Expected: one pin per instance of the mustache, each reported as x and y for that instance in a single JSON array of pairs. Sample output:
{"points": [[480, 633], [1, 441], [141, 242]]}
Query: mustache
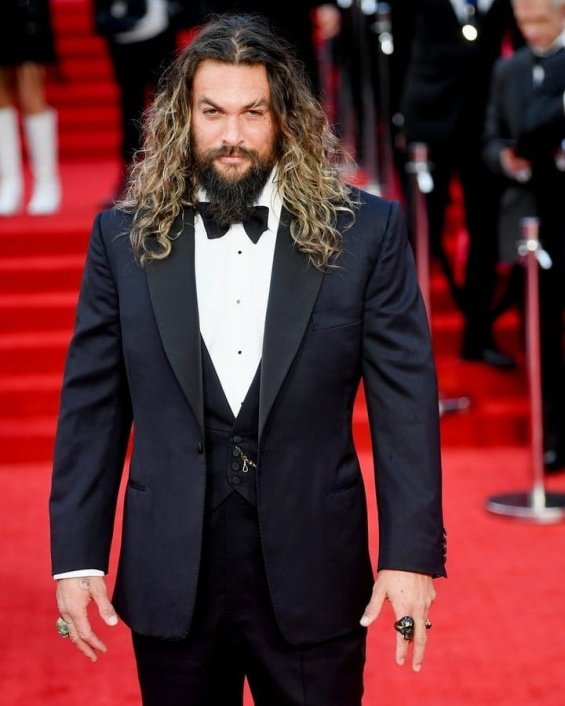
{"points": [[230, 151]]}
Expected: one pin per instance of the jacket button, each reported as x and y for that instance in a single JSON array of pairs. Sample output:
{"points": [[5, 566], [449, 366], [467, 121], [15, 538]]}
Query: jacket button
{"points": [[200, 447]]}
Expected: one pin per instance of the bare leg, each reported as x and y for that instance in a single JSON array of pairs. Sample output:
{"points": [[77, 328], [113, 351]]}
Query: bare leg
{"points": [[11, 180]]}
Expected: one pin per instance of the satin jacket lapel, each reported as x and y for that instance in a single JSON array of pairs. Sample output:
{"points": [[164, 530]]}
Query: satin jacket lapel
{"points": [[294, 288], [172, 286]]}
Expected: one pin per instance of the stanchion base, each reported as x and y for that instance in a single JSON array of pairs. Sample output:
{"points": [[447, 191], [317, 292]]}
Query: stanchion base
{"points": [[449, 405], [549, 508]]}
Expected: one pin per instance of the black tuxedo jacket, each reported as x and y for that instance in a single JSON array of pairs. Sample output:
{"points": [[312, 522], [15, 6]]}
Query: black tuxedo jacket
{"points": [[135, 356], [511, 92], [448, 77], [510, 95], [543, 126]]}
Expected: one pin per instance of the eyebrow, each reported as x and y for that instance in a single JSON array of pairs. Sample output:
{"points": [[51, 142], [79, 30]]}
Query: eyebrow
{"points": [[258, 103]]}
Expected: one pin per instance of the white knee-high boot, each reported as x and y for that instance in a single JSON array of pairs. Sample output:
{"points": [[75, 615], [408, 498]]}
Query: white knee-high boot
{"points": [[41, 138], [11, 178]]}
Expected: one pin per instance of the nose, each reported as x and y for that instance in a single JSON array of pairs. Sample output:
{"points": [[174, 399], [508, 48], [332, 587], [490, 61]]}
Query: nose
{"points": [[233, 134]]}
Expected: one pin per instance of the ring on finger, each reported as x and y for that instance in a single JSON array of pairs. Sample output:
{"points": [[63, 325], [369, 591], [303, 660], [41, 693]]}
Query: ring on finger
{"points": [[62, 627]]}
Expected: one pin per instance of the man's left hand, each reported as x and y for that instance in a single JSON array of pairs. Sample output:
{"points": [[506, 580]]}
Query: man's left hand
{"points": [[410, 594]]}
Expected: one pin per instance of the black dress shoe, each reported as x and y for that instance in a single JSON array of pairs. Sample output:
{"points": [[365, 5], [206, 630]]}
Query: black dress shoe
{"points": [[490, 356]]}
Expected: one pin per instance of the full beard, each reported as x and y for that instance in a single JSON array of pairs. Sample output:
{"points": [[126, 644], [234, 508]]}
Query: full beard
{"points": [[231, 196]]}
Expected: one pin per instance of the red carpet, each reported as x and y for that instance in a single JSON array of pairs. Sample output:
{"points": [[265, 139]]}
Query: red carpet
{"points": [[497, 638]]}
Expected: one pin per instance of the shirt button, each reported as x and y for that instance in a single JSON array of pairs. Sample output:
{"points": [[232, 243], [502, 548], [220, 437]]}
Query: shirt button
{"points": [[236, 480], [235, 466]]}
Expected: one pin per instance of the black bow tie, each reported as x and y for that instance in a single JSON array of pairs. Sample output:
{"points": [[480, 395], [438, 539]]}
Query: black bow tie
{"points": [[255, 223]]}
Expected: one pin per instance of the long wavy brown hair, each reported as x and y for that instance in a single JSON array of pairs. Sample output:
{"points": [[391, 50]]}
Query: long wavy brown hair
{"points": [[162, 179]]}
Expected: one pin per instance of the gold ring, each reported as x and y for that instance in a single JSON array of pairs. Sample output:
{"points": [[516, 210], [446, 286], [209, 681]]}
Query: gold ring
{"points": [[62, 627]]}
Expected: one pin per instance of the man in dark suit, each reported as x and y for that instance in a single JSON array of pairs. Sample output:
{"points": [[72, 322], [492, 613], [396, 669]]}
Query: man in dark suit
{"points": [[538, 137], [454, 46], [237, 356]]}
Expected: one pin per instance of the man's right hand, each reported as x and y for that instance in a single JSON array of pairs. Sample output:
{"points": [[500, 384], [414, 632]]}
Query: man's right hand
{"points": [[73, 597]]}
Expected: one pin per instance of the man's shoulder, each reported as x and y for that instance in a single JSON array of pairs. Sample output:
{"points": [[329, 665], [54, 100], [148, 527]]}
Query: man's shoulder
{"points": [[371, 209], [114, 219], [515, 62]]}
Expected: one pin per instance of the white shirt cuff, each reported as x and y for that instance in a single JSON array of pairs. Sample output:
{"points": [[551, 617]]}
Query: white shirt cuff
{"points": [[81, 573]]}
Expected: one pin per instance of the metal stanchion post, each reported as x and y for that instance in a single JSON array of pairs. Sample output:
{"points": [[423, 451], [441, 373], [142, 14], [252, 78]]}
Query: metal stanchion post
{"points": [[536, 504], [422, 183], [383, 29], [367, 8]]}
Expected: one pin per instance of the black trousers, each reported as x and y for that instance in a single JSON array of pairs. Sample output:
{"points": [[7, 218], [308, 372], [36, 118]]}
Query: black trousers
{"points": [[481, 197], [137, 68], [234, 635]]}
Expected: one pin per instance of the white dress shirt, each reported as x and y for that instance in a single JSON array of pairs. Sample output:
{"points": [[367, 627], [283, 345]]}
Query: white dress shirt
{"points": [[233, 277]]}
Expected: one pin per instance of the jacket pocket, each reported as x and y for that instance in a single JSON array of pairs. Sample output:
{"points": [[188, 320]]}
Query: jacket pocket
{"points": [[345, 486], [136, 485]]}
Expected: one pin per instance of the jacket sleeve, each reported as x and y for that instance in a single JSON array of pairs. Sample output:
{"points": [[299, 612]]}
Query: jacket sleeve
{"points": [[496, 135], [94, 424], [401, 393]]}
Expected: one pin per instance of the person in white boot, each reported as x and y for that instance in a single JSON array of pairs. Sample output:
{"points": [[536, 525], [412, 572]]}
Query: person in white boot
{"points": [[26, 47]]}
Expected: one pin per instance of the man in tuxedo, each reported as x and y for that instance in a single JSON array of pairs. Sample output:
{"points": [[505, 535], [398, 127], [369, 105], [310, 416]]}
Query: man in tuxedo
{"points": [[454, 45], [229, 308], [534, 82]]}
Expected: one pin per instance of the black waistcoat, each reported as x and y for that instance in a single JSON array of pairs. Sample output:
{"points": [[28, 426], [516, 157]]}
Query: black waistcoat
{"points": [[228, 436]]}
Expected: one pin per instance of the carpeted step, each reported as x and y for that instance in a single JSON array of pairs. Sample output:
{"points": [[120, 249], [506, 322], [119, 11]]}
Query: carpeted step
{"points": [[29, 442], [101, 145], [56, 236], [37, 311], [27, 274], [34, 353], [29, 396], [77, 95], [88, 118]]}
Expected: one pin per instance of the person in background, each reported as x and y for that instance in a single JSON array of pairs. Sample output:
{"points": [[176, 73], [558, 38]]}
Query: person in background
{"points": [[454, 46], [26, 48], [230, 306], [141, 37], [533, 83]]}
